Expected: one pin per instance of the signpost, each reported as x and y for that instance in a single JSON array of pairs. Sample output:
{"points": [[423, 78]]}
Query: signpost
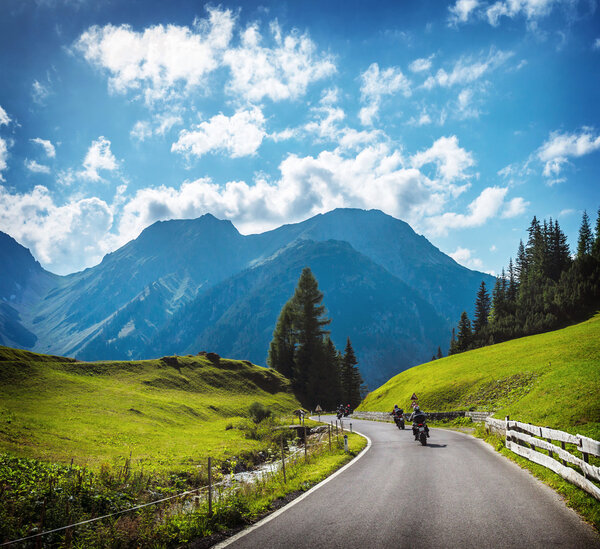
{"points": [[415, 400], [318, 409]]}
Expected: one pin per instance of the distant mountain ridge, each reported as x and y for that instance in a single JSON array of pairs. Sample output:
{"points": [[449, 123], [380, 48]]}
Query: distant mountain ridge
{"points": [[188, 285]]}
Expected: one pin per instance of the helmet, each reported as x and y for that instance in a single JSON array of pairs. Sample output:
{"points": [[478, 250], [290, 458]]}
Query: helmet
{"points": [[395, 406], [417, 409]]}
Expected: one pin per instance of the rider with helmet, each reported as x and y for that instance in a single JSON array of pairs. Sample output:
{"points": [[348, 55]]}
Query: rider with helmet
{"points": [[418, 416]]}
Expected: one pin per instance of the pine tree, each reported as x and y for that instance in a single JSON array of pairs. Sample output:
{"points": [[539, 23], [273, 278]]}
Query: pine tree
{"points": [[465, 334], [330, 390], [352, 378], [511, 290], [283, 346], [521, 264], [439, 353], [596, 244], [453, 346], [482, 309], [309, 322], [584, 243]]}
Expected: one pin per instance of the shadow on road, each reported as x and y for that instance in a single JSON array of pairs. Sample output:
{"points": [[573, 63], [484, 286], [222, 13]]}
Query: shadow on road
{"points": [[429, 445]]}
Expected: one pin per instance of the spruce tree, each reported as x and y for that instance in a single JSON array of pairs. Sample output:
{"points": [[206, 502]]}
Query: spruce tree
{"points": [[482, 309], [465, 334], [596, 244], [439, 353], [584, 242], [283, 345], [352, 380], [309, 322]]}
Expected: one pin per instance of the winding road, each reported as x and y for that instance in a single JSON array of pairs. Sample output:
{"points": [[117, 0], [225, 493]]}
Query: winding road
{"points": [[455, 492]]}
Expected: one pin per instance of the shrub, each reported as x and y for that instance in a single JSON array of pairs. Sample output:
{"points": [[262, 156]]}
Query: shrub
{"points": [[258, 412]]}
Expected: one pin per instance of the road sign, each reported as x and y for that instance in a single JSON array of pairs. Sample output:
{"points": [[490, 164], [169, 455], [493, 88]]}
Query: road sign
{"points": [[318, 408], [414, 404], [414, 397]]}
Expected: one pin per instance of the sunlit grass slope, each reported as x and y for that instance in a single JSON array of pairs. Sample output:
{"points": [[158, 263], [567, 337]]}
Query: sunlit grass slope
{"points": [[551, 379], [166, 412]]}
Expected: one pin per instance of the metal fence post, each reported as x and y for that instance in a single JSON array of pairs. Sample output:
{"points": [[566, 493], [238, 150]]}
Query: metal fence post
{"points": [[283, 461]]}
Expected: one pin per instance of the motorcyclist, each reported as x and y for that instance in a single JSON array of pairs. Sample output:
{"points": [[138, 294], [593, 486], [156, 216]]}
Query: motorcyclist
{"points": [[397, 412], [348, 410], [418, 416]]}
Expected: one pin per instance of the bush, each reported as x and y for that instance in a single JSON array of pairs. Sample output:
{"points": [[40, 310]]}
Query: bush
{"points": [[258, 412]]}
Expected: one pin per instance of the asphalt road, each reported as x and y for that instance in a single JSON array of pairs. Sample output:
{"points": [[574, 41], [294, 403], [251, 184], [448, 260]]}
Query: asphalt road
{"points": [[455, 492]]}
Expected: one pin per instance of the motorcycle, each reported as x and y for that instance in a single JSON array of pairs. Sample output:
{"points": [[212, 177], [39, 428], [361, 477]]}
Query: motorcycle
{"points": [[399, 419], [421, 433], [347, 412], [340, 413]]}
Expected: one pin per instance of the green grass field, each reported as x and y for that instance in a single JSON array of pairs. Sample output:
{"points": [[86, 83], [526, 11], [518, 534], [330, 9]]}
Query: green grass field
{"points": [[167, 413], [551, 379]]}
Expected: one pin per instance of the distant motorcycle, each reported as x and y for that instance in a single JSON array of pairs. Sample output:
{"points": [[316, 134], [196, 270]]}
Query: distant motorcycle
{"points": [[419, 427], [420, 433], [347, 411], [340, 413], [398, 418]]}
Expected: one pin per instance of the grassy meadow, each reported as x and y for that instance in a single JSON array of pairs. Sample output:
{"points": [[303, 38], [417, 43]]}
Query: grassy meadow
{"points": [[164, 413], [550, 379]]}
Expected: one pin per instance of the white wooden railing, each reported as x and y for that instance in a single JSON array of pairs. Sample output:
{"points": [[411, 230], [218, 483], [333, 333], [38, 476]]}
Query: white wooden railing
{"points": [[521, 438]]}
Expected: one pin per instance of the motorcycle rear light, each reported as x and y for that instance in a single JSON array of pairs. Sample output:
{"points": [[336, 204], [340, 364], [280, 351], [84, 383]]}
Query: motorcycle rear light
{"points": [[420, 425]]}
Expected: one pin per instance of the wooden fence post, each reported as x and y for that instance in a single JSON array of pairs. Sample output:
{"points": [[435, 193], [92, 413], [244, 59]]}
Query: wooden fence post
{"points": [[550, 453], [305, 446], [330, 438], [562, 445], [209, 486], [283, 460]]}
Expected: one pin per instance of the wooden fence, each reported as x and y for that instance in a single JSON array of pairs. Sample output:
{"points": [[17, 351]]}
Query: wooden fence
{"points": [[527, 440]]}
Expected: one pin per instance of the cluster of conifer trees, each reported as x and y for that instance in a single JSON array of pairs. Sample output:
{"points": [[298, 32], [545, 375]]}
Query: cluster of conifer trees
{"points": [[302, 351], [546, 288]]}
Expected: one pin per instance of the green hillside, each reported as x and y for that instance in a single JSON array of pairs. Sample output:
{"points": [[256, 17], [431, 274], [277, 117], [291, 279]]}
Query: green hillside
{"points": [[551, 379], [166, 412]]}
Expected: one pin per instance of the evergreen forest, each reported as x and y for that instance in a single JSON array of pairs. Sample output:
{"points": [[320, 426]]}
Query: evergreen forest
{"points": [[547, 287], [302, 351]]}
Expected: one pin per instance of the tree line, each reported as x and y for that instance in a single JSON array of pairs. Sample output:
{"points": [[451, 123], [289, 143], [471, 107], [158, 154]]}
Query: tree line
{"points": [[303, 351], [547, 287]]}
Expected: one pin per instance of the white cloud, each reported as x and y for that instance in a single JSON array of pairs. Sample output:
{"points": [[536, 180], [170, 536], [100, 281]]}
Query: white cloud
{"points": [[461, 11], [35, 167], [421, 65], [375, 84], [141, 130], [4, 118], [450, 159], [47, 145], [3, 157], [467, 70], [517, 206], [64, 238], [283, 71], [464, 256], [484, 207], [98, 157], [238, 135], [531, 9], [493, 248], [160, 60], [596, 45], [160, 125], [556, 151], [39, 92]]}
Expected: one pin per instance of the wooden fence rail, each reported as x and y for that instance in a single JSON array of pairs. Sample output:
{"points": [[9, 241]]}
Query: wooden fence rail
{"points": [[521, 438]]}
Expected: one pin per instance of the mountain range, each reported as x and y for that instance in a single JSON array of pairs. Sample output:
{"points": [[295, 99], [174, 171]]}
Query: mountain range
{"points": [[184, 286]]}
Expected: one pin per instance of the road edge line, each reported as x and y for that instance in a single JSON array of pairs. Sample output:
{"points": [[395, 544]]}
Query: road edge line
{"points": [[275, 514]]}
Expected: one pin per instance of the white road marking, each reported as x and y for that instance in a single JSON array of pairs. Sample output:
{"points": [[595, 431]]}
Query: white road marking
{"points": [[275, 514]]}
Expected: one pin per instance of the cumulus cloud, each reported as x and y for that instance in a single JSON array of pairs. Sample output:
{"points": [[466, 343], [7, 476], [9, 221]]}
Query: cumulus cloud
{"points": [[377, 83], [515, 207], [3, 157], [238, 135], [465, 257], [468, 69], [160, 60], [47, 145], [4, 118], [484, 207], [421, 65], [282, 71], [596, 45], [559, 147], [461, 11], [531, 9], [161, 124], [450, 159], [64, 238], [98, 157], [36, 167]]}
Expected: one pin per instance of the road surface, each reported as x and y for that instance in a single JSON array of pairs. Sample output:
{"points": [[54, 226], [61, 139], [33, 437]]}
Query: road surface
{"points": [[455, 492]]}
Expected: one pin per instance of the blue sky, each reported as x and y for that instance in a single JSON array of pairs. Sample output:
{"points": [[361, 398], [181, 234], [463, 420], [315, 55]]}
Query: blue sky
{"points": [[464, 119]]}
